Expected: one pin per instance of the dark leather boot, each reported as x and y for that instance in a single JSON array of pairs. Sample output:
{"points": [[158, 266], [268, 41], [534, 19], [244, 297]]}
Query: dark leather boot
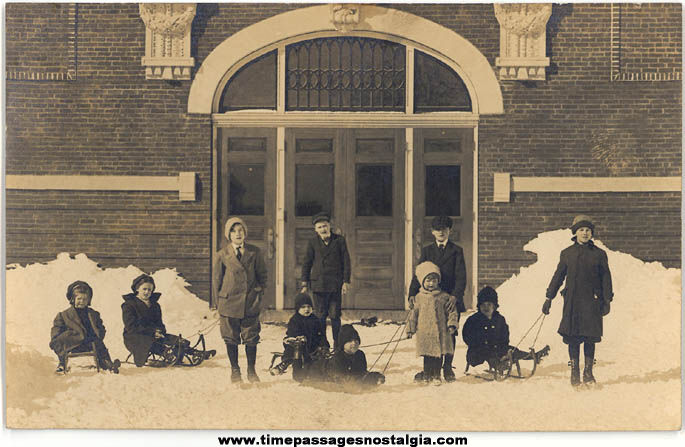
{"points": [[232, 351], [575, 372], [251, 354], [588, 378], [447, 371]]}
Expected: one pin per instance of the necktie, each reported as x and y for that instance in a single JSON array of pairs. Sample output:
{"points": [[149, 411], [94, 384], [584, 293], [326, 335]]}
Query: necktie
{"points": [[239, 254]]}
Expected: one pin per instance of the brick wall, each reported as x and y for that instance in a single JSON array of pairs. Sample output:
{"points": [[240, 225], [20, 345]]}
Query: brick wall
{"points": [[110, 120]]}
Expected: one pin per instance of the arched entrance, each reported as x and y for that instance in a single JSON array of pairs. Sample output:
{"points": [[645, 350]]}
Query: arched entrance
{"points": [[377, 124]]}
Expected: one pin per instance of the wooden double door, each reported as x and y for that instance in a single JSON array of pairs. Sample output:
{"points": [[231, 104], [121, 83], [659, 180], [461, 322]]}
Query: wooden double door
{"points": [[356, 175]]}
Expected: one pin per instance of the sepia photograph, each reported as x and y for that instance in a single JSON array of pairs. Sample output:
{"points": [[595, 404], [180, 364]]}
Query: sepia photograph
{"points": [[429, 219]]}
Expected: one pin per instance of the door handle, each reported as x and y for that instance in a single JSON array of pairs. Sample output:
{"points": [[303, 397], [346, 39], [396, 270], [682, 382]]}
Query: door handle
{"points": [[270, 249], [417, 238]]}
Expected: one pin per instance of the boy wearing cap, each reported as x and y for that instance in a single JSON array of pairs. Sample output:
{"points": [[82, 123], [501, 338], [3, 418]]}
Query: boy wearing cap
{"points": [[449, 257], [326, 272], [74, 329], [587, 296], [238, 282]]}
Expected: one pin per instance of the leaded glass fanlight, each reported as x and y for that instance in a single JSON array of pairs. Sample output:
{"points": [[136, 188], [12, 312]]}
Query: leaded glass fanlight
{"points": [[346, 73]]}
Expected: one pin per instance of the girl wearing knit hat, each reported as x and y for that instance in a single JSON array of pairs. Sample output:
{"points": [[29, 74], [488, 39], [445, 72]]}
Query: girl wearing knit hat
{"points": [[587, 296], [433, 319]]}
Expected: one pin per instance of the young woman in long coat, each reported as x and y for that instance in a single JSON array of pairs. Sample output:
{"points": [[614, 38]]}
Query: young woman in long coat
{"points": [[587, 296]]}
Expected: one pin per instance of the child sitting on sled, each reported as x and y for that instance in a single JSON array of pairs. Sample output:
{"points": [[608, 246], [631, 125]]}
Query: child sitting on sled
{"points": [[144, 331], [433, 319], [78, 327], [304, 339], [486, 334], [348, 365]]}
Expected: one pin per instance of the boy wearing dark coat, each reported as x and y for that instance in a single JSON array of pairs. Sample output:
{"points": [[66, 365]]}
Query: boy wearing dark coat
{"points": [[238, 281], [486, 333], [348, 364], [304, 335], [144, 331], [587, 296], [76, 328], [434, 320], [326, 271], [449, 257]]}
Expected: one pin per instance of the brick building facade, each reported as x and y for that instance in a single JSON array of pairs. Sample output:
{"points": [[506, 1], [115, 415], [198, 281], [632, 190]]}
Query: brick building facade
{"points": [[78, 103]]}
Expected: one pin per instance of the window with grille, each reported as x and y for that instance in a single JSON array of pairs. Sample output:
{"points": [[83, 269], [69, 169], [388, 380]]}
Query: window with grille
{"points": [[345, 74]]}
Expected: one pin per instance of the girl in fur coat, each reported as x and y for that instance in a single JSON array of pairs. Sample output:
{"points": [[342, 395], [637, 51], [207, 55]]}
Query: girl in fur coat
{"points": [[433, 319]]}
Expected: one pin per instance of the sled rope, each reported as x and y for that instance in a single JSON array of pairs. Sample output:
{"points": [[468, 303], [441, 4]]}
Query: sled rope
{"points": [[542, 315], [385, 342], [404, 326], [388, 344], [207, 329]]}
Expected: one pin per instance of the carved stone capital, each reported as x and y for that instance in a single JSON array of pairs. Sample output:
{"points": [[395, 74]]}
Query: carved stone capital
{"points": [[167, 40], [523, 32], [345, 17]]}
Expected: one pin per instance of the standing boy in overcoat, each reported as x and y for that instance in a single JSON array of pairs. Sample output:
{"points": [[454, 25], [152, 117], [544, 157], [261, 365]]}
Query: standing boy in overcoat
{"points": [[326, 271], [238, 282], [449, 257], [587, 296]]}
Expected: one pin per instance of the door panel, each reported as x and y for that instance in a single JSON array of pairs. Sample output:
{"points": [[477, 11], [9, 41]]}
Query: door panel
{"points": [[358, 176], [246, 189], [443, 184]]}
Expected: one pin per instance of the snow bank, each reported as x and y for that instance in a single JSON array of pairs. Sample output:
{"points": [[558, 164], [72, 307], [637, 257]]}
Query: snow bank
{"points": [[37, 292], [643, 325]]}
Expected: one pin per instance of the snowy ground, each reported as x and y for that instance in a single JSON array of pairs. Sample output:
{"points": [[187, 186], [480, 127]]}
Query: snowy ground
{"points": [[639, 363]]}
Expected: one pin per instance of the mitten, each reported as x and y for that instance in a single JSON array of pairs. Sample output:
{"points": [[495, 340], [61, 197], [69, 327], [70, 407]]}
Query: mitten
{"points": [[546, 306]]}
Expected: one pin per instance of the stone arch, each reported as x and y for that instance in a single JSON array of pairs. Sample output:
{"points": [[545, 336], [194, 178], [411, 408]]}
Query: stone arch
{"points": [[459, 53]]}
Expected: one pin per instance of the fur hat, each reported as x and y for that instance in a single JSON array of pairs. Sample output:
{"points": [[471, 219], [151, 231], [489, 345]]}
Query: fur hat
{"points": [[301, 299], [229, 224], [424, 269], [582, 220], [487, 294], [140, 280], [348, 333], [79, 286], [440, 222], [321, 217]]}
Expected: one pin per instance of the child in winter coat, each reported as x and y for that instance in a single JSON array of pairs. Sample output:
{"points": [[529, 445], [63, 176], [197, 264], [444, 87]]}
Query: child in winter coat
{"points": [[449, 257], [144, 331], [587, 297], [238, 283], [76, 328], [486, 334], [303, 341], [433, 319], [348, 364]]}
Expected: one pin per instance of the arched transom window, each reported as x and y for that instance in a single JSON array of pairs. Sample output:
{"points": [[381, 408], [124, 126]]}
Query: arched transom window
{"points": [[347, 74]]}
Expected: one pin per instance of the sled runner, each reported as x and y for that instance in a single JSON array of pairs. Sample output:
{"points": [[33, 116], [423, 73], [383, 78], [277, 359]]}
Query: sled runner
{"points": [[179, 353], [503, 370], [297, 343]]}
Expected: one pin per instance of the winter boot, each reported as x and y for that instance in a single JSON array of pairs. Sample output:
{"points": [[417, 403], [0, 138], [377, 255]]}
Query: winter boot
{"points": [[251, 354], [232, 351], [436, 363], [575, 372], [420, 377], [588, 378], [447, 372]]}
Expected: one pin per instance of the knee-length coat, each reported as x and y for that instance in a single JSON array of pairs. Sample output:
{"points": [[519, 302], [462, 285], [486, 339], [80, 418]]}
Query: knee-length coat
{"points": [[430, 318], [588, 284], [140, 324], [68, 332]]}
